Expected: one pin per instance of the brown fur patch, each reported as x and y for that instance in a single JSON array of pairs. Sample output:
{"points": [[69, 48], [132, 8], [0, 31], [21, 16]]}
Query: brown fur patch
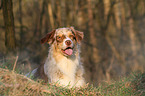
{"points": [[40, 73], [59, 74]]}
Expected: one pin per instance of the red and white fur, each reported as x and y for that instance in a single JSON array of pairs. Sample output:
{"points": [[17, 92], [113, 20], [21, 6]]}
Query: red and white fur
{"points": [[63, 63]]}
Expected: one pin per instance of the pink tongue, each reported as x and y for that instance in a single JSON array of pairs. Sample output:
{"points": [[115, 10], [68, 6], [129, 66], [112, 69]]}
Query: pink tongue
{"points": [[68, 51]]}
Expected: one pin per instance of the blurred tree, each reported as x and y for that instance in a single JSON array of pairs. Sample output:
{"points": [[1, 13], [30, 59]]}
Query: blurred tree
{"points": [[95, 58], [42, 16], [58, 13], [9, 24], [50, 14], [63, 13], [21, 24], [0, 4]]}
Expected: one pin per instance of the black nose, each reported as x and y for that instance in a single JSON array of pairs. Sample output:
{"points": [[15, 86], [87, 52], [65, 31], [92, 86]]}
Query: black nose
{"points": [[68, 42]]}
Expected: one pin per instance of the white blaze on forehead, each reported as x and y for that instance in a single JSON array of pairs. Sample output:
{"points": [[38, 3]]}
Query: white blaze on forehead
{"points": [[63, 31]]}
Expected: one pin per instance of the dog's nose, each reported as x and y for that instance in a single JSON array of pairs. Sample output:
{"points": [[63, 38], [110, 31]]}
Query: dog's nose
{"points": [[68, 42]]}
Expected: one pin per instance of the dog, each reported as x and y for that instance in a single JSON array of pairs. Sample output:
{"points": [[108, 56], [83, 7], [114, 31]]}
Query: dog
{"points": [[63, 65]]}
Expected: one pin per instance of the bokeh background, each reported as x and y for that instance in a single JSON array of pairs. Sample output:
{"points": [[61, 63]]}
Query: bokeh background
{"points": [[114, 42]]}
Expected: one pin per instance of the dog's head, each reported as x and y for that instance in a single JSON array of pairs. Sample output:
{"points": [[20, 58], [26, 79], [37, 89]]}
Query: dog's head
{"points": [[64, 39]]}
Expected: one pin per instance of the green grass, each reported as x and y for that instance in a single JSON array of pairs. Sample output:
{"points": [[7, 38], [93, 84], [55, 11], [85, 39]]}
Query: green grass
{"points": [[13, 84]]}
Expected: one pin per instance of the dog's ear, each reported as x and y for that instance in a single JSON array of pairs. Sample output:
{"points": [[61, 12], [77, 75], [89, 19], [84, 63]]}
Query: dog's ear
{"points": [[79, 35], [49, 38]]}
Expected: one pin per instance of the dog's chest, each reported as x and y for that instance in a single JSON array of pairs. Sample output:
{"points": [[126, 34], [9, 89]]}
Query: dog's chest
{"points": [[68, 67]]}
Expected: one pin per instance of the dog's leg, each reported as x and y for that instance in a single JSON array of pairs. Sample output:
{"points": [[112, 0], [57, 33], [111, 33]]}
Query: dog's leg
{"points": [[31, 74], [80, 81]]}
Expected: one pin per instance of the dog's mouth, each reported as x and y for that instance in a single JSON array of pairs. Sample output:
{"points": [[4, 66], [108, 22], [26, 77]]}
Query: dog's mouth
{"points": [[68, 51]]}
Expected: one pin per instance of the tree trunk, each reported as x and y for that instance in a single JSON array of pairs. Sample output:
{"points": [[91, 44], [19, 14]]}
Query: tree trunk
{"points": [[117, 13], [50, 14], [63, 13], [58, 12], [0, 4], [42, 16], [94, 57], [21, 24], [106, 8], [9, 24], [123, 21], [135, 46]]}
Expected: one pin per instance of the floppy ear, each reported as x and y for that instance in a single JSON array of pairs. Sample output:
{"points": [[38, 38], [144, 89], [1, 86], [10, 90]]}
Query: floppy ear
{"points": [[79, 35], [49, 38]]}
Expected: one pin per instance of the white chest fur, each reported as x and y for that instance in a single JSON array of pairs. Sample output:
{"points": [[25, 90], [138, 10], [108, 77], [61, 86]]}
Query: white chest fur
{"points": [[67, 66]]}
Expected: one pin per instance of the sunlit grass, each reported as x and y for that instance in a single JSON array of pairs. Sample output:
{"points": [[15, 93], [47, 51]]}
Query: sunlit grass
{"points": [[12, 84]]}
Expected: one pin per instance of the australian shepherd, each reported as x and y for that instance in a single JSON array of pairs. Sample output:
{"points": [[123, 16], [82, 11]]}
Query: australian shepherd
{"points": [[63, 64]]}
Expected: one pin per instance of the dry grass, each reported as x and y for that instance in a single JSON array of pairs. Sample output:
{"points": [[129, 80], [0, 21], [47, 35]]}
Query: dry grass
{"points": [[13, 84]]}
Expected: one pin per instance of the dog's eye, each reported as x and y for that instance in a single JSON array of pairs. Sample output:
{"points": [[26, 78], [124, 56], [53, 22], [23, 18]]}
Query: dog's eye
{"points": [[58, 37], [72, 36]]}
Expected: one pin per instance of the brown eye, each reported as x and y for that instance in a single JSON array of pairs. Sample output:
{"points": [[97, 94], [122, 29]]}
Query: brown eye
{"points": [[72, 36], [58, 38]]}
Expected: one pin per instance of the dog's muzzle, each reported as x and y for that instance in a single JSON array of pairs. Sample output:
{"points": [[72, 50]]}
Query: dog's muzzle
{"points": [[69, 47]]}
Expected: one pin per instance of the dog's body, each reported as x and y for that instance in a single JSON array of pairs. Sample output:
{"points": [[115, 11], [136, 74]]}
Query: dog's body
{"points": [[63, 64]]}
